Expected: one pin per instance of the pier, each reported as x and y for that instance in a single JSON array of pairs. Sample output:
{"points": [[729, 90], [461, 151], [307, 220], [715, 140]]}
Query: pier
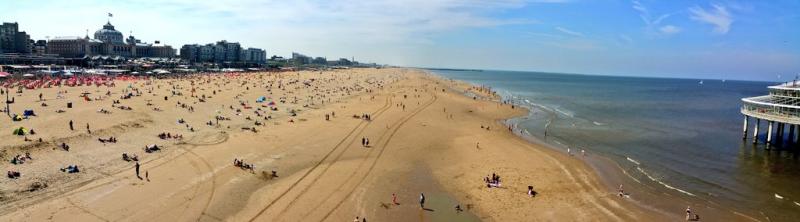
{"points": [[780, 109]]}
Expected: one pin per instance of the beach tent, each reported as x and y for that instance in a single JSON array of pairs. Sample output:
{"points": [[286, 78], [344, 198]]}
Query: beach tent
{"points": [[21, 131], [261, 99]]}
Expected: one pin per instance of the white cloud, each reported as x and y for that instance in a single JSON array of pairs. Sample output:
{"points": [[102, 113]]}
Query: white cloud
{"points": [[569, 32], [652, 23], [669, 30], [332, 28], [626, 39], [718, 16]]}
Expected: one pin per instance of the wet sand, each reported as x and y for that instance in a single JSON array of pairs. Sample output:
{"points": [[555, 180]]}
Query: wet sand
{"points": [[425, 137]]}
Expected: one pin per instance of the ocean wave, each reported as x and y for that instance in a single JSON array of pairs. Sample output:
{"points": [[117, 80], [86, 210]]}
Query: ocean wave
{"points": [[632, 160], [662, 183], [566, 113]]}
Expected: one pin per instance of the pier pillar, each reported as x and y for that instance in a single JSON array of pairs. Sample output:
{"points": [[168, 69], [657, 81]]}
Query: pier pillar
{"points": [[769, 132], [791, 133], [744, 128], [779, 134], [755, 130]]}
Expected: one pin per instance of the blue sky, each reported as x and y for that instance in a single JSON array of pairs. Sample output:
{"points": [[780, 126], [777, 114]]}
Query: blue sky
{"points": [[755, 40]]}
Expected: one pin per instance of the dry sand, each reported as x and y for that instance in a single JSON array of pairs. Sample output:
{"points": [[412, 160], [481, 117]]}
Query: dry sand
{"points": [[425, 137]]}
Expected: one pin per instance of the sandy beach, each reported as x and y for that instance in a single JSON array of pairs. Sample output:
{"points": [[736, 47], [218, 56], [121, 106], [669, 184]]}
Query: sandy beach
{"points": [[425, 136]]}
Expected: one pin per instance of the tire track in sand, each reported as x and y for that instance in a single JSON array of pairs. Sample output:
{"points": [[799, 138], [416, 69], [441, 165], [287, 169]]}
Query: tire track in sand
{"points": [[325, 170], [385, 107], [377, 158], [363, 161]]}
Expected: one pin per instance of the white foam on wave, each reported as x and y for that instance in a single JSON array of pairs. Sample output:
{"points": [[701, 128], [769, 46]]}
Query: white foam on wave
{"points": [[632, 160], [566, 113], [598, 123], [662, 183], [778, 196]]}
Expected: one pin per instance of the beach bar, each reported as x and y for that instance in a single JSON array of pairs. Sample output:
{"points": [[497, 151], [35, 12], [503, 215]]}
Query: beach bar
{"points": [[780, 110]]}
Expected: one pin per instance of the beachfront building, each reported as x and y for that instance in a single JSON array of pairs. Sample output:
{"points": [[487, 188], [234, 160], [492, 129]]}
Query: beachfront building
{"points": [[780, 109], [253, 55], [300, 59], [107, 41], [224, 53], [14, 41]]}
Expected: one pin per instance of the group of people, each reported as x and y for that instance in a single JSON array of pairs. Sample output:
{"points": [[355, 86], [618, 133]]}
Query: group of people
{"points": [[164, 136], [129, 158], [241, 164], [71, 169], [65, 147], [109, 140], [13, 174], [364, 116], [20, 159], [493, 182], [364, 142], [151, 148]]}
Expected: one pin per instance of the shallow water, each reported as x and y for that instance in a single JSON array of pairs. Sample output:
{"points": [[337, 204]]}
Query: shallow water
{"points": [[675, 134]]}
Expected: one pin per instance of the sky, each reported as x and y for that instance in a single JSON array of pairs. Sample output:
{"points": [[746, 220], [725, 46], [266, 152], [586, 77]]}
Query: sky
{"points": [[750, 40]]}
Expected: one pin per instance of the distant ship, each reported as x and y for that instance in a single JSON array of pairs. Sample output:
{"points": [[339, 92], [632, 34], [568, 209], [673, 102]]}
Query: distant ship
{"points": [[701, 82]]}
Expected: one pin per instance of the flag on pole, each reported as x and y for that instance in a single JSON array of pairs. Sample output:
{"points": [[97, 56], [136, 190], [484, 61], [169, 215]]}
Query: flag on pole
{"points": [[110, 15]]}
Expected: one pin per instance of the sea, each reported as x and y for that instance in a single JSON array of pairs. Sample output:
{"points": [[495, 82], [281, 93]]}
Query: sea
{"points": [[682, 137]]}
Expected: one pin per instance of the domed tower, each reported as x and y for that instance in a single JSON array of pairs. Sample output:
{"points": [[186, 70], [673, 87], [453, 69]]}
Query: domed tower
{"points": [[108, 34]]}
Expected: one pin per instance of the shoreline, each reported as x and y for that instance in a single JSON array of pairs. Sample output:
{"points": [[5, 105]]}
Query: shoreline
{"points": [[612, 174], [424, 141]]}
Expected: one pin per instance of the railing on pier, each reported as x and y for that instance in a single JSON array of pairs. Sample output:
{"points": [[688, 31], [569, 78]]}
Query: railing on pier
{"points": [[772, 108]]}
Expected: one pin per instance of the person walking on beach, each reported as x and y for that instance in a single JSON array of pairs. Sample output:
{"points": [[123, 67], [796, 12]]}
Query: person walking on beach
{"points": [[363, 141], [688, 213], [88, 129], [137, 170], [422, 200], [70, 126], [394, 199]]}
